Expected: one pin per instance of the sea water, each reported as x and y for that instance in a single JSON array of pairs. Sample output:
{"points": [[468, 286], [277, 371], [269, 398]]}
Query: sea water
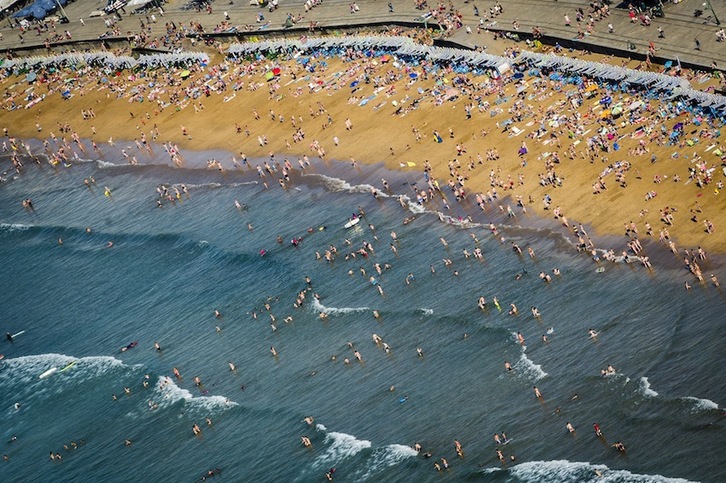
{"points": [[170, 268]]}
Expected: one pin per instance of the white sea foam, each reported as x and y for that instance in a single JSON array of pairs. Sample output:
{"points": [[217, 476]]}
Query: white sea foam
{"points": [[700, 404], [529, 369], [23, 374], [337, 185], [563, 471], [106, 164], [26, 369], [11, 227], [644, 386], [415, 208], [342, 446], [167, 393], [318, 307], [213, 185], [383, 458]]}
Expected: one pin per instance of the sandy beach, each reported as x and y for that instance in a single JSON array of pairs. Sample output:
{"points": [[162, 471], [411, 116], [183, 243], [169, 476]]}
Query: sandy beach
{"points": [[490, 152], [227, 308]]}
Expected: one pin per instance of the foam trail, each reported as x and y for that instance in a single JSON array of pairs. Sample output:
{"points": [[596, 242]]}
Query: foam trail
{"points": [[528, 368], [337, 185], [167, 393], [342, 446], [213, 185], [106, 164], [318, 307]]}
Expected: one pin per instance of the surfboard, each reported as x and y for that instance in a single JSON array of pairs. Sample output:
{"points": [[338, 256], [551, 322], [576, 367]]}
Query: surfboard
{"points": [[600, 269], [48, 373], [352, 222], [19, 333], [68, 366]]}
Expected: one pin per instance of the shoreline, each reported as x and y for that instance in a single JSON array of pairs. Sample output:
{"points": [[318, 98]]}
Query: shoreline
{"points": [[465, 215]]}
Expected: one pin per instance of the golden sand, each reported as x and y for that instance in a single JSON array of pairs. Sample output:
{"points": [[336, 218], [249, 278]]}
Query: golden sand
{"points": [[378, 134]]}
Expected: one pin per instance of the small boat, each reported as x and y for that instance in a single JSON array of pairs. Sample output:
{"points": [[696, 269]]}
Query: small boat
{"points": [[352, 222], [48, 373]]}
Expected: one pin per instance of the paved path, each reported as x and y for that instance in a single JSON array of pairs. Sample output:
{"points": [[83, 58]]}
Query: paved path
{"points": [[680, 27]]}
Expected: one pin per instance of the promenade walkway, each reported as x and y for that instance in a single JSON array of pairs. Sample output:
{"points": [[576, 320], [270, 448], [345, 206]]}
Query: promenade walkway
{"points": [[680, 27]]}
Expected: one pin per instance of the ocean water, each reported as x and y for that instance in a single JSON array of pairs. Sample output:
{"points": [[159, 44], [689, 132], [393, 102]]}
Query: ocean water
{"points": [[169, 269]]}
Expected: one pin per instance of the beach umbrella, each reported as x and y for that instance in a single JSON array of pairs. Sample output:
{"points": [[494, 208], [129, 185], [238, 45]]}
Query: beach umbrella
{"points": [[30, 77], [385, 58], [269, 76], [276, 71], [518, 75], [618, 109], [354, 83], [678, 126], [413, 75], [185, 73]]}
